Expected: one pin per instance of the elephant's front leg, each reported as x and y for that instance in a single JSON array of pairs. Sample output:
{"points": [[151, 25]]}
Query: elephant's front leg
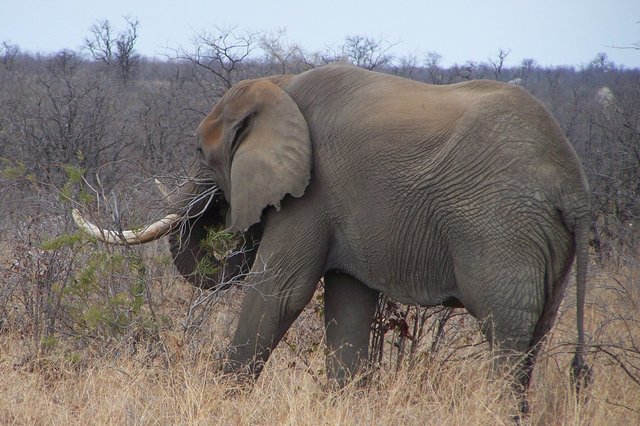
{"points": [[349, 308], [268, 310], [285, 274]]}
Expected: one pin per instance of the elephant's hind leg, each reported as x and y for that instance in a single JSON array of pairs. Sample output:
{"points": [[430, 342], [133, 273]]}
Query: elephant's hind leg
{"points": [[507, 294], [520, 330], [349, 308]]}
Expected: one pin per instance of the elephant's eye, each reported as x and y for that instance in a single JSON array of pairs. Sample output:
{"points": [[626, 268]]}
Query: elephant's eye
{"points": [[200, 153]]}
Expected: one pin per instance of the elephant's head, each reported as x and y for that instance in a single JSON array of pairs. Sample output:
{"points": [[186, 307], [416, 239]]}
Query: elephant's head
{"points": [[253, 150], [256, 145]]}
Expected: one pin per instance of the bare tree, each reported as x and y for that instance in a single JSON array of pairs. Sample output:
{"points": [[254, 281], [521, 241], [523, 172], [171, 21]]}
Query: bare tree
{"points": [[433, 68], [366, 52], [601, 63], [498, 63], [8, 53], [100, 43], [527, 68], [125, 44], [220, 51], [287, 57], [110, 49], [467, 71], [407, 66]]}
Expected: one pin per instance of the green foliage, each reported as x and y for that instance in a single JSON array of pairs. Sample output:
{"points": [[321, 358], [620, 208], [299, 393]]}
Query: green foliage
{"points": [[64, 240], [74, 180], [74, 174], [76, 289], [93, 316], [206, 266], [218, 245], [15, 170], [104, 295], [96, 308]]}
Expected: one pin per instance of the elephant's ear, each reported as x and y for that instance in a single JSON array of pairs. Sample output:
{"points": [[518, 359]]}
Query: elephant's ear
{"points": [[274, 157]]}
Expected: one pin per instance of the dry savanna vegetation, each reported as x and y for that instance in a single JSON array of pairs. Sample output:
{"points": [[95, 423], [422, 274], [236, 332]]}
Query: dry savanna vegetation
{"points": [[98, 334]]}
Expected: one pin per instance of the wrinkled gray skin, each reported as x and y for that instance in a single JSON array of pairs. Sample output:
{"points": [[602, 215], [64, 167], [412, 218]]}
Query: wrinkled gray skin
{"points": [[467, 195]]}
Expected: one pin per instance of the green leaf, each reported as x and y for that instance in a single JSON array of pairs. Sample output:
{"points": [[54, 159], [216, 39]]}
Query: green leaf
{"points": [[64, 240]]}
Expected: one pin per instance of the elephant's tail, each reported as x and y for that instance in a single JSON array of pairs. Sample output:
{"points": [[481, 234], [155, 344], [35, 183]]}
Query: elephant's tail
{"points": [[581, 373]]}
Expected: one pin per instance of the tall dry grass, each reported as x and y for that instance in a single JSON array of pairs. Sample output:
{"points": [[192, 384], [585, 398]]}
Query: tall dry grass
{"points": [[172, 380]]}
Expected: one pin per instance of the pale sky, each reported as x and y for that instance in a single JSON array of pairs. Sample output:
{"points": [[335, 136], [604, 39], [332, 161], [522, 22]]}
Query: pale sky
{"points": [[553, 32]]}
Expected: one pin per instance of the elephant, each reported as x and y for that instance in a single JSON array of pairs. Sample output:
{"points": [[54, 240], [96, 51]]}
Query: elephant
{"points": [[466, 195]]}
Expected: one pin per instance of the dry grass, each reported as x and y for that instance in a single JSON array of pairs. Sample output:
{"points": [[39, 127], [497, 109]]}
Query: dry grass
{"points": [[182, 385]]}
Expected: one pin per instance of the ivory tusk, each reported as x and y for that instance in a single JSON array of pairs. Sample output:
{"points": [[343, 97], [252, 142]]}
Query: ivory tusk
{"points": [[139, 236]]}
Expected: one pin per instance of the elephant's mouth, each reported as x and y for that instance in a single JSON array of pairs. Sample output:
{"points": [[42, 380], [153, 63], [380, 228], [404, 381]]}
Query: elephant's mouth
{"points": [[200, 247]]}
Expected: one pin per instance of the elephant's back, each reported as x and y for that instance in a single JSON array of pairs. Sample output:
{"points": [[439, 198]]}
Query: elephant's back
{"points": [[421, 141], [510, 140]]}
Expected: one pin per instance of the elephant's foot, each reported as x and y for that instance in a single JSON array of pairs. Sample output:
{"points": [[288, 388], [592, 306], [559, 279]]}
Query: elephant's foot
{"points": [[242, 370], [581, 375]]}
